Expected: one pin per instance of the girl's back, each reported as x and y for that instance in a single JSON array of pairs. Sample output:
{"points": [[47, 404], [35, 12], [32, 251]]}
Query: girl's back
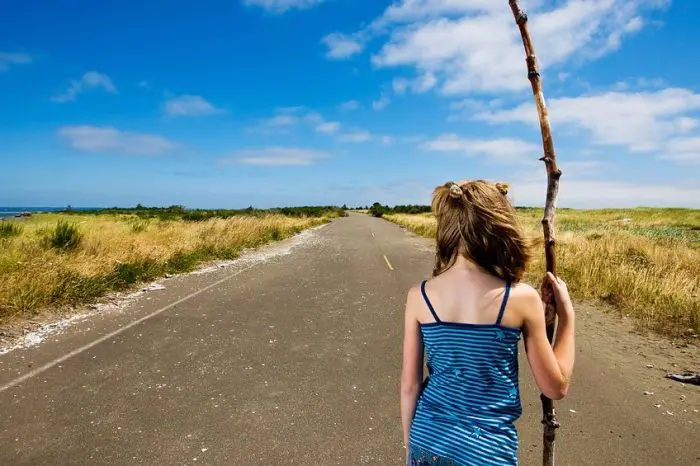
{"points": [[468, 407]]}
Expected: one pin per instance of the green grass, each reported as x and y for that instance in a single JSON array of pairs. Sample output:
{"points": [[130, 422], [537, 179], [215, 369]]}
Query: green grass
{"points": [[65, 236], [10, 229], [139, 225]]}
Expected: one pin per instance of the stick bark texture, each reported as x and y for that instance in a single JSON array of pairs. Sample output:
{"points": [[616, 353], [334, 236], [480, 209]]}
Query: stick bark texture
{"points": [[549, 419]]}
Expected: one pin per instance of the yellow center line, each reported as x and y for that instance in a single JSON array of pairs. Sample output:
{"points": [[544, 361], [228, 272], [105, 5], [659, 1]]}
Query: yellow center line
{"points": [[388, 263]]}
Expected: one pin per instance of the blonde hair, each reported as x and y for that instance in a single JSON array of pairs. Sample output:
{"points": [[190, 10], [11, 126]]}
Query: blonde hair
{"points": [[477, 220]]}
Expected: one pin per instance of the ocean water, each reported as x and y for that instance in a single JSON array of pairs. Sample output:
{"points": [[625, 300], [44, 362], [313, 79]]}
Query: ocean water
{"points": [[14, 211]]}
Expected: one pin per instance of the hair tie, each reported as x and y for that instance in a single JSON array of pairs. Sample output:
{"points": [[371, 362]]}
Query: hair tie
{"points": [[456, 190], [503, 188]]}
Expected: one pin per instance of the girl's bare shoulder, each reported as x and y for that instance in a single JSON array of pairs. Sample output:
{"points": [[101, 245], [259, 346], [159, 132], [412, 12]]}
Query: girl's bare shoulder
{"points": [[414, 299], [524, 298], [523, 290]]}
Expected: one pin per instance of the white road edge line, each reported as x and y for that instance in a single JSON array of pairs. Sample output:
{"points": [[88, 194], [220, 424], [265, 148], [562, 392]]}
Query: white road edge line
{"points": [[103, 338], [387, 263]]}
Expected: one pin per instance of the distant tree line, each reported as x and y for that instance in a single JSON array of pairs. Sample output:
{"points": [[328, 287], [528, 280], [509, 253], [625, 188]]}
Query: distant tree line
{"points": [[410, 209], [379, 210]]}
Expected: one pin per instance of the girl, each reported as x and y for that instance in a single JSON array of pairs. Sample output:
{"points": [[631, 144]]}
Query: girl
{"points": [[469, 319]]}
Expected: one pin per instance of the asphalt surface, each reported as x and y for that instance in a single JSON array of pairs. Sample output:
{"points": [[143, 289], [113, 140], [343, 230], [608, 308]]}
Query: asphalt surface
{"points": [[294, 360]]}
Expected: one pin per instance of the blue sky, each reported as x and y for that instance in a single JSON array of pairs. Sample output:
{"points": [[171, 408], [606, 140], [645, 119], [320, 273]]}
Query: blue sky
{"points": [[295, 102]]}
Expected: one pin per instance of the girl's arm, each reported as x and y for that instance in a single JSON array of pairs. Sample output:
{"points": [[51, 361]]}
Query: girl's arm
{"points": [[412, 371], [551, 366]]}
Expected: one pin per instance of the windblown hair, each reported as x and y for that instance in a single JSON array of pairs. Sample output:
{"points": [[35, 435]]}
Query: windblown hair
{"points": [[477, 220]]}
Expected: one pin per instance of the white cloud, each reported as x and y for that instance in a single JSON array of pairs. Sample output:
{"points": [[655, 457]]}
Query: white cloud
{"points": [[295, 110], [290, 117], [313, 118], [190, 105], [400, 85], [587, 193], [504, 149], [341, 46], [633, 25], [280, 6], [465, 46], [683, 150], [421, 84], [275, 156], [282, 120], [641, 121], [356, 136], [686, 124], [614, 40], [381, 103], [108, 139], [329, 127], [414, 139], [638, 84], [467, 108], [285, 118], [90, 80], [349, 105], [411, 10], [424, 82], [8, 59]]}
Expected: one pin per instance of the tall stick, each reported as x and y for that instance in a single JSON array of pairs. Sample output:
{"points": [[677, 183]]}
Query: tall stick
{"points": [[549, 419]]}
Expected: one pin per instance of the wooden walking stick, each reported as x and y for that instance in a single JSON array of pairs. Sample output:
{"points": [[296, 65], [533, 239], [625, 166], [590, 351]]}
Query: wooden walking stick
{"points": [[549, 419]]}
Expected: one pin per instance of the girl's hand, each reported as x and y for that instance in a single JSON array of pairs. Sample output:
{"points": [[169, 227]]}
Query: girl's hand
{"points": [[554, 287]]}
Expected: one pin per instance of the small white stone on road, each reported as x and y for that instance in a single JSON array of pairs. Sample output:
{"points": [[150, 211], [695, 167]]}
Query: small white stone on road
{"points": [[154, 287]]}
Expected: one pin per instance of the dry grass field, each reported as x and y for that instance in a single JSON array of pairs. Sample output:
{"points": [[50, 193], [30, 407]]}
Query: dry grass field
{"points": [[53, 260]]}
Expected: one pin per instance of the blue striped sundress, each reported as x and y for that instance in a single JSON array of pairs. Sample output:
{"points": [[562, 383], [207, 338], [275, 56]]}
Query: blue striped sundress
{"points": [[468, 407]]}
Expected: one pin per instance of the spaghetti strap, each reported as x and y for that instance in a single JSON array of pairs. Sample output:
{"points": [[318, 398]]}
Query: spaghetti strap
{"points": [[503, 304], [427, 301]]}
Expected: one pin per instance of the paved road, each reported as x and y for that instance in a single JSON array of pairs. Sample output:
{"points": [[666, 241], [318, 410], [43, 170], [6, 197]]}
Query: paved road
{"points": [[292, 361]]}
